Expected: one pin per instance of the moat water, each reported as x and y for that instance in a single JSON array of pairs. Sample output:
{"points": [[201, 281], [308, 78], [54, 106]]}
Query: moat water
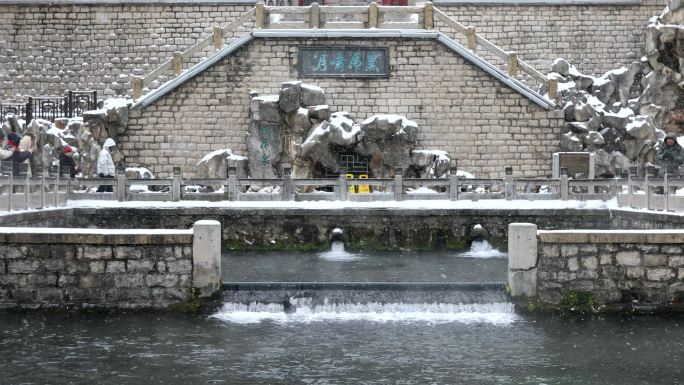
{"points": [[321, 342]]}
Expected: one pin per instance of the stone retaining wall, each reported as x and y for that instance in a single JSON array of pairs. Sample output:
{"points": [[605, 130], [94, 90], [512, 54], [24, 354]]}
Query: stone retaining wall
{"points": [[47, 49], [57, 267], [598, 269], [458, 107], [364, 228]]}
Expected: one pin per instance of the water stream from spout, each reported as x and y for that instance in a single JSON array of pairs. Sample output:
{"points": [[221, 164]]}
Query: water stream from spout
{"points": [[481, 248], [337, 253]]}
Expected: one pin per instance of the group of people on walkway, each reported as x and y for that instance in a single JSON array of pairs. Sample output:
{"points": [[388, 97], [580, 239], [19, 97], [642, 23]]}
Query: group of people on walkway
{"points": [[19, 150]]}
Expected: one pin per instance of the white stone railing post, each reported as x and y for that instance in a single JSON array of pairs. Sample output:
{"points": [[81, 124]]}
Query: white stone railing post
{"points": [[509, 186], [398, 184], [522, 259], [121, 185], [232, 184], [287, 183], [342, 187], [176, 185], [206, 257]]}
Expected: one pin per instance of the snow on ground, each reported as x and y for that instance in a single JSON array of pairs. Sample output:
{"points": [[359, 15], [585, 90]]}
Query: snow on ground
{"points": [[493, 204]]}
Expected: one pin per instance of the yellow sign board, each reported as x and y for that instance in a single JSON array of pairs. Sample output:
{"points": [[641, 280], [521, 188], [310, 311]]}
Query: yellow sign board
{"points": [[364, 188]]}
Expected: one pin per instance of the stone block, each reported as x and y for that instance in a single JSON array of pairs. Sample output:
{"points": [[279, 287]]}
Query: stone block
{"points": [[564, 276], [606, 258], [161, 280], [97, 267], [628, 258], [550, 251], [143, 266], [634, 272], [523, 282], [522, 246], [67, 280], [677, 250], [675, 260], [588, 249], [659, 274], [129, 280], [590, 263], [95, 252], [53, 265], [181, 266], [23, 295], [115, 267], [651, 260], [12, 252], [569, 250], [127, 252], [573, 265], [50, 295], [22, 266], [90, 281], [648, 248]]}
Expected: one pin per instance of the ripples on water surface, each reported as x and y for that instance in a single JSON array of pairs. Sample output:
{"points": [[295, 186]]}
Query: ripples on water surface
{"points": [[176, 349]]}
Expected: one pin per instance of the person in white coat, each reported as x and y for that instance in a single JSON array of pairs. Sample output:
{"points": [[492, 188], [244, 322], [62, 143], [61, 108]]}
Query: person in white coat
{"points": [[105, 164]]}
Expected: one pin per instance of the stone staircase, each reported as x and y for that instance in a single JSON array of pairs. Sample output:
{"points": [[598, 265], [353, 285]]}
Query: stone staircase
{"points": [[421, 21]]}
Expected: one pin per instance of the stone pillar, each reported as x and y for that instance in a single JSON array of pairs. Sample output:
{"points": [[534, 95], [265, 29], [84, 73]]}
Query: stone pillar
{"points": [[522, 259], [121, 184], [176, 185], [206, 257]]}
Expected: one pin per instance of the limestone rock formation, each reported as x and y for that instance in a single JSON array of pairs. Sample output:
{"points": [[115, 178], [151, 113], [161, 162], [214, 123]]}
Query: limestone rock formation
{"points": [[621, 115], [215, 164], [430, 163], [296, 128], [264, 143], [387, 140]]}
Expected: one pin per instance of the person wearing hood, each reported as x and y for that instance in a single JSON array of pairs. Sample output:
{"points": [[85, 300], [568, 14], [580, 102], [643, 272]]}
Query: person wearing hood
{"points": [[17, 156], [670, 155], [105, 164]]}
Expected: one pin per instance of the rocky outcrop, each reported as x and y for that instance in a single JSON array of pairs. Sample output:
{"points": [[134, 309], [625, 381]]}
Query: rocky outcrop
{"points": [[215, 164], [622, 115], [296, 128]]}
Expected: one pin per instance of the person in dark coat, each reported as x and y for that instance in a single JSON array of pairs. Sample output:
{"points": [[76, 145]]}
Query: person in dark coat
{"points": [[18, 157], [67, 165], [670, 155]]}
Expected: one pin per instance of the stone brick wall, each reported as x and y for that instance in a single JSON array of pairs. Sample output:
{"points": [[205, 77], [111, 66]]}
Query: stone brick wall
{"points": [[117, 269], [618, 268], [595, 38], [47, 49], [458, 107]]}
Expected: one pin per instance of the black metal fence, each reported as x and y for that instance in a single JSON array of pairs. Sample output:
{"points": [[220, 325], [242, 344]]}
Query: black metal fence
{"points": [[52, 107]]}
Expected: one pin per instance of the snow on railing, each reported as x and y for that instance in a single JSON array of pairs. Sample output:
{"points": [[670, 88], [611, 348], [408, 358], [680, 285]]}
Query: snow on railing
{"points": [[18, 193]]}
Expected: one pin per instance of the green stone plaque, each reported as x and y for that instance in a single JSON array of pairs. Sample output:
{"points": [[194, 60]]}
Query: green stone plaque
{"points": [[345, 62]]}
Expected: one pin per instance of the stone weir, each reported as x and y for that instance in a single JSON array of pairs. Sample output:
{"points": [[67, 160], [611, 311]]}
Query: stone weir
{"points": [[311, 229], [364, 228]]}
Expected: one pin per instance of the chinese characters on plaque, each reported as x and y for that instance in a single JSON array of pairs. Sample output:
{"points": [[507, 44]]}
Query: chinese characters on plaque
{"points": [[348, 62]]}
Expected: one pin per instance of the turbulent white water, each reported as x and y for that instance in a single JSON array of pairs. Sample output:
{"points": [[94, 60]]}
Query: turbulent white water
{"points": [[337, 253], [303, 311], [482, 249]]}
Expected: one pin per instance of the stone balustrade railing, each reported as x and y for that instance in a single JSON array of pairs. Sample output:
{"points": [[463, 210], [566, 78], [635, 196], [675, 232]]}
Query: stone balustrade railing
{"points": [[17, 193], [371, 16]]}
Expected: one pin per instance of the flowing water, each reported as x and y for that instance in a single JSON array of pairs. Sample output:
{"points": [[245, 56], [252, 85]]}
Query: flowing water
{"points": [[403, 338]]}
